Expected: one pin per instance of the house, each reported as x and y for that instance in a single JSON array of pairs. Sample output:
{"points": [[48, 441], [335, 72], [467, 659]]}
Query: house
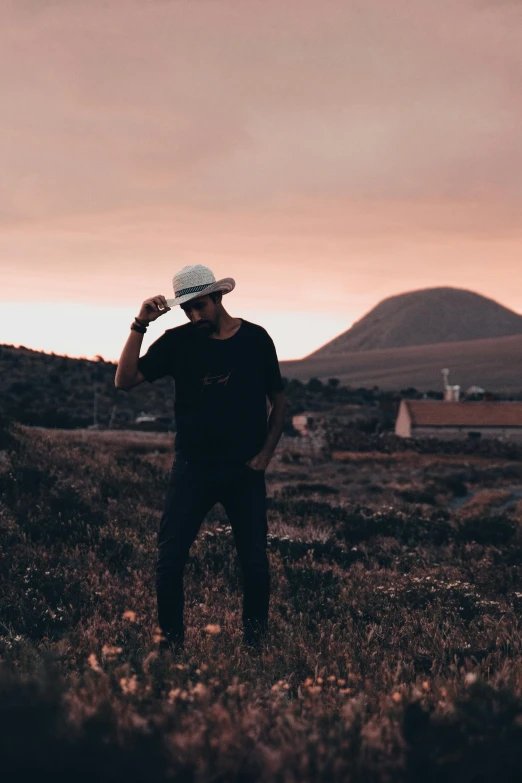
{"points": [[311, 422], [450, 418]]}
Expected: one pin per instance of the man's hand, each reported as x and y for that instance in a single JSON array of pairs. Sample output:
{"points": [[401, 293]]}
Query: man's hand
{"points": [[153, 308], [259, 461]]}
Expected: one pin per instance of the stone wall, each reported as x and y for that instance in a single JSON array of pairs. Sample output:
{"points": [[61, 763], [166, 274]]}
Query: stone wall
{"points": [[455, 433], [312, 445]]}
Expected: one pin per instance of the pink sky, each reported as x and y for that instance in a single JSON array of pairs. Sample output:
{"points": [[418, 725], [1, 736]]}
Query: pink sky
{"points": [[325, 155]]}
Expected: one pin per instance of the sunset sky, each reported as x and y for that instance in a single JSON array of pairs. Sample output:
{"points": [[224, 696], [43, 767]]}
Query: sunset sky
{"points": [[325, 154]]}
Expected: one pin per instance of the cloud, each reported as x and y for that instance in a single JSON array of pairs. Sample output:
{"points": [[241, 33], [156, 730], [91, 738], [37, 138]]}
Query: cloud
{"points": [[357, 136], [222, 104]]}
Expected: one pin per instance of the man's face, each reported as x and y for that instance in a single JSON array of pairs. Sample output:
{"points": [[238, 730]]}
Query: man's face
{"points": [[201, 312]]}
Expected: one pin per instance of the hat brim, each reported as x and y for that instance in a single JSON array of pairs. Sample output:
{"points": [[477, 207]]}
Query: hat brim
{"points": [[225, 285]]}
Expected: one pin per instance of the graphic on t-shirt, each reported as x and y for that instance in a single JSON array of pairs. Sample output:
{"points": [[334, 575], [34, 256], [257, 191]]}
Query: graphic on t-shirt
{"points": [[214, 380]]}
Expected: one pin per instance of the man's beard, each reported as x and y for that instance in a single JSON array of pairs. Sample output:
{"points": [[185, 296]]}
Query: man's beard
{"points": [[205, 328]]}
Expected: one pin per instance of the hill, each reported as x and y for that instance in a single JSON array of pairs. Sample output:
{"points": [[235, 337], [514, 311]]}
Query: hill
{"points": [[425, 317], [49, 390], [494, 364]]}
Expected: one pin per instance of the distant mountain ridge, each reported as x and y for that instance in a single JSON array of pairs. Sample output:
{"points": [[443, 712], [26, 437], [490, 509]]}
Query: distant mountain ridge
{"points": [[425, 317], [493, 363]]}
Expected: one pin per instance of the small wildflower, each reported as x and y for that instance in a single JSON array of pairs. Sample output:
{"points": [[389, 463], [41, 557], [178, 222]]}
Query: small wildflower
{"points": [[470, 678], [129, 684], [110, 652], [397, 697], [93, 663], [212, 629], [199, 689], [129, 615]]}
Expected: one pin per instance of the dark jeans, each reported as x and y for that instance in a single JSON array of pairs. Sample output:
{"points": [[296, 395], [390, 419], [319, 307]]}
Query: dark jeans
{"points": [[193, 489]]}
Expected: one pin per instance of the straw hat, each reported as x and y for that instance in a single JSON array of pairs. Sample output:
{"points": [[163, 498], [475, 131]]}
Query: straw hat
{"points": [[197, 280]]}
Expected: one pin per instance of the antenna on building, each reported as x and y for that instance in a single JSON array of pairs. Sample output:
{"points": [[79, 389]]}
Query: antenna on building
{"points": [[451, 393]]}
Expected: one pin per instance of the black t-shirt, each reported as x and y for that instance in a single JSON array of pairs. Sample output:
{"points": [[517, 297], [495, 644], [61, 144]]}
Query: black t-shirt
{"points": [[221, 388]]}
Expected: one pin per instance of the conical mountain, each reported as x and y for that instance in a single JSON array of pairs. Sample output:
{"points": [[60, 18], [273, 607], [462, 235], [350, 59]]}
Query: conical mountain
{"points": [[424, 317]]}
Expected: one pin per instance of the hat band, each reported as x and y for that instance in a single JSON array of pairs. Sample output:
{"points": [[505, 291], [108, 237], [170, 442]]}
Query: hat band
{"points": [[192, 289]]}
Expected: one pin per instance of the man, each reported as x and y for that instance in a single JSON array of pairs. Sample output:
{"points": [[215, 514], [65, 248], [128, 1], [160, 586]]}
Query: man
{"points": [[224, 369]]}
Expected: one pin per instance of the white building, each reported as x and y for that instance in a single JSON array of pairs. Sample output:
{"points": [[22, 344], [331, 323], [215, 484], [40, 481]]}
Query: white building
{"points": [[456, 419]]}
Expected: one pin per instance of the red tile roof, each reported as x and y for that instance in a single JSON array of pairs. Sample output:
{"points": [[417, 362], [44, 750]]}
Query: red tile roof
{"points": [[464, 414]]}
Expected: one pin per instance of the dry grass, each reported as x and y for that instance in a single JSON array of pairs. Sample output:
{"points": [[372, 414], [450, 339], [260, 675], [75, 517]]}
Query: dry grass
{"points": [[395, 648]]}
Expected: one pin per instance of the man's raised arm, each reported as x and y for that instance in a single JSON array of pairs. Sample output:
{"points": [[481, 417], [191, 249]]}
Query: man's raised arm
{"points": [[127, 373]]}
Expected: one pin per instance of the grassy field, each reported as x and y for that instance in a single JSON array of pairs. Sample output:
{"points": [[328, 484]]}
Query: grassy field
{"points": [[395, 645]]}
